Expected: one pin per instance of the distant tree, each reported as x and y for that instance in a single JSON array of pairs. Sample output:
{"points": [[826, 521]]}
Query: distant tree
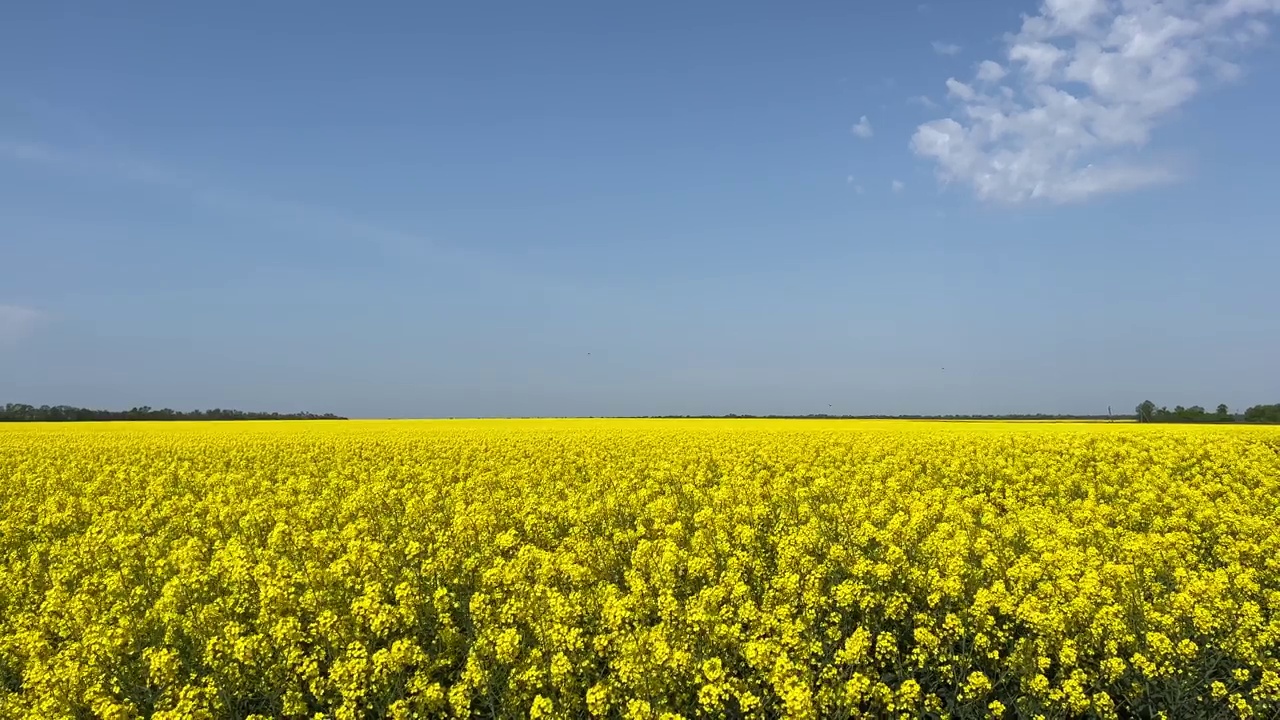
{"points": [[17, 412], [1263, 413], [1146, 411]]}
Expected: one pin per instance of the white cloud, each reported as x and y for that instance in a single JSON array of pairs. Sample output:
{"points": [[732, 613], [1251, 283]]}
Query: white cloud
{"points": [[959, 90], [991, 72], [17, 323], [923, 101], [863, 128], [1083, 86], [945, 48], [898, 186]]}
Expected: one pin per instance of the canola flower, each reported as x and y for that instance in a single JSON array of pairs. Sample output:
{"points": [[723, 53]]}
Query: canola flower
{"points": [[638, 569]]}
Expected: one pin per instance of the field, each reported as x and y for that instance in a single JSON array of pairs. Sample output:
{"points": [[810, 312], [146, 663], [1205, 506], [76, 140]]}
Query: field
{"points": [[638, 569]]}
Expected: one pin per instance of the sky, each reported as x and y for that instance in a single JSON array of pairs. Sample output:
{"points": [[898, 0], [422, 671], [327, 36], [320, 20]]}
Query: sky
{"points": [[578, 208]]}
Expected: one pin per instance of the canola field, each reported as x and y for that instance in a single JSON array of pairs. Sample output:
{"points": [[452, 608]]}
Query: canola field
{"points": [[638, 569]]}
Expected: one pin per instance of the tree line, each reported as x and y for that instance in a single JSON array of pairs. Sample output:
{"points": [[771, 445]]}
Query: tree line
{"points": [[18, 412], [1147, 412]]}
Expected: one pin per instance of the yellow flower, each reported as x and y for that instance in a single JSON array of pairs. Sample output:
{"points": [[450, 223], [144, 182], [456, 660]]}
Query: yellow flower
{"points": [[638, 710], [976, 685], [639, 567], [598, 700], [542, 707], [909, 693]]}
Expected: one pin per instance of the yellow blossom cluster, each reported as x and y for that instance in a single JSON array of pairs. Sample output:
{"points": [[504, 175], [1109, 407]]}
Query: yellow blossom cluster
{"points": [[638, 569]]}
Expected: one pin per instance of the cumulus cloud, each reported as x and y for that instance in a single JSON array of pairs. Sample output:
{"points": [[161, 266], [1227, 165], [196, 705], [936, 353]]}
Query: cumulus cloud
{"points": [[863, 128], [991, 72], [1082, 86], [17, 323], [945, 48]]}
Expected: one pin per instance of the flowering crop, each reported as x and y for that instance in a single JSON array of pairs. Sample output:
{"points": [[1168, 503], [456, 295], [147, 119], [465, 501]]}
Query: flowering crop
{"points": [[638, 569]]}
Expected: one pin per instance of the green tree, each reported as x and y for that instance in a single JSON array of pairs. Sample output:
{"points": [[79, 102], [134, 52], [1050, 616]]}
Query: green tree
{"points": [[1263, 413], [1146, 410], [1223, 413]]}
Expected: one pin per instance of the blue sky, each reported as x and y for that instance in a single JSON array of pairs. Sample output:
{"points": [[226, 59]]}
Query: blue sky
{"points": [[575, 208]]}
